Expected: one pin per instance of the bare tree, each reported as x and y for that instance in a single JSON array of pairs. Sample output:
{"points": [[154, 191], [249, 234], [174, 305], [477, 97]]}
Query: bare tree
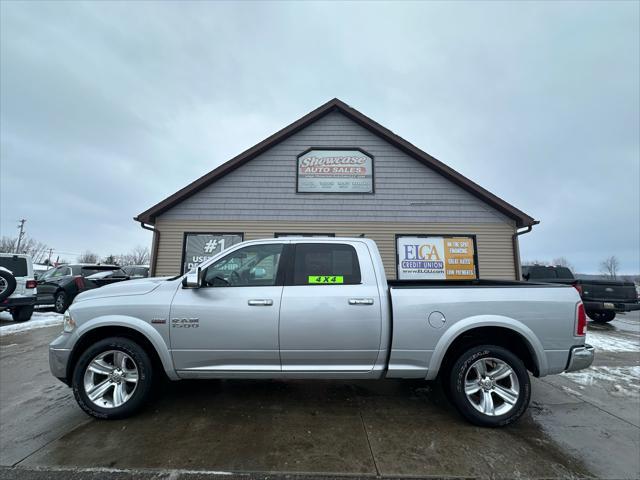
{"points": [[137, 256], [609, 266], [562, 262], [111, 259], [88, 257], [28, 245]]}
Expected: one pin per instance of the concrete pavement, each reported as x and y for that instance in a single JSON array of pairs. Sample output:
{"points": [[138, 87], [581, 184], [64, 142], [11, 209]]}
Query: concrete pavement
{"points": [[577, 425]]}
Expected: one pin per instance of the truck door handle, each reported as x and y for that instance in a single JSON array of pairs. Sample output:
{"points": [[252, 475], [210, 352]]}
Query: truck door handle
{"points": [[267, 302], [361, 301]]}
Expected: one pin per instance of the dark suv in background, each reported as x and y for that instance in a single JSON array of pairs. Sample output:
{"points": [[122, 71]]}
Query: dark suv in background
{"points": [[601, 298], [60, 285]]}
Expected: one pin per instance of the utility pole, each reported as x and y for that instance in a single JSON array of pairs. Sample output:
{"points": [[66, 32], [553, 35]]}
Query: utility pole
{"points": [[49, 259], [21, 227]]}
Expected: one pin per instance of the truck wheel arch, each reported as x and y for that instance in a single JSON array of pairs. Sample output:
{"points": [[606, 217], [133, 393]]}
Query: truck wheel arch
{"points": [[501, 331], [144, 335]]}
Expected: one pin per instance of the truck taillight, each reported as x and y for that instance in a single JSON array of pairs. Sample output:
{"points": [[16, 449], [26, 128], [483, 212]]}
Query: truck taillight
{"points": [[31, 284], [79, 282], [578, 287], [581, 321]]}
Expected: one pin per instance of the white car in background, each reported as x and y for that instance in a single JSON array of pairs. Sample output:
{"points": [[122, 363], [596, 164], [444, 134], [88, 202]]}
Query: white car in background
{"points": [[21, 302]]}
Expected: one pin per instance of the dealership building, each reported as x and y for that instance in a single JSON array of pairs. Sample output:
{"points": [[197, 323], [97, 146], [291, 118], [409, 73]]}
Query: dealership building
{"points": [[336, 172]]}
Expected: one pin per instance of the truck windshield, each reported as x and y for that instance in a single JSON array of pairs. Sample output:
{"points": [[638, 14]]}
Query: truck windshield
{"points": [[16, 265]]}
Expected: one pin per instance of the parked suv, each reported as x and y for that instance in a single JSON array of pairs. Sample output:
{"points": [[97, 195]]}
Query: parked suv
{"points": [[602, 298], [21, 302], [60, 285]]}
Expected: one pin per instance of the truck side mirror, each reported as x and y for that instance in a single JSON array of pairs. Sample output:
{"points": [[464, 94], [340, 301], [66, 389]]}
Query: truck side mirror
{"points": [[192, 279]]}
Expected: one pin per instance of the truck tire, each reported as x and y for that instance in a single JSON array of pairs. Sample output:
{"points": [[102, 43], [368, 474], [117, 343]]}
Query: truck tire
{"points": [[7, 284], [490, 386], [60, 302], [112, 378], [21, 314], [601, 316]]}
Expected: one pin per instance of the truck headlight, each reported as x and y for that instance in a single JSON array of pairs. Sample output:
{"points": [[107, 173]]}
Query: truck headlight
{"points": [[68, 323]]}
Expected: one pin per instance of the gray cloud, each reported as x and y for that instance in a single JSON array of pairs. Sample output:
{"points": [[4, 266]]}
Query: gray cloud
{"points": [[108, 107]]}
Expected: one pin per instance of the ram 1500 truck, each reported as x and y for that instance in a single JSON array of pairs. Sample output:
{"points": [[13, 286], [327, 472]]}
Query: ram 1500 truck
{"points": [[318, 309]]}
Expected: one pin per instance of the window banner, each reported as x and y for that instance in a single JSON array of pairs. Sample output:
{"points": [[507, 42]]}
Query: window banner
{"points": [[199, 247], [436, 257]]}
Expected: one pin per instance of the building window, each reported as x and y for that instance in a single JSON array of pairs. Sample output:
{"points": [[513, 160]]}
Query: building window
{"points": [[199, 246], [325, 264], [436, 257]]}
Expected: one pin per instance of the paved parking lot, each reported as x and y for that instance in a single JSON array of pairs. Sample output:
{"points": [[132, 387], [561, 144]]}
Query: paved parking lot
{"points": [[582, 424]]}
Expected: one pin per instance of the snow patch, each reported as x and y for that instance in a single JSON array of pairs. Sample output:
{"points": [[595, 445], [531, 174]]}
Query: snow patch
{"points": [[621, 381], [38, 320], [610, 343]]}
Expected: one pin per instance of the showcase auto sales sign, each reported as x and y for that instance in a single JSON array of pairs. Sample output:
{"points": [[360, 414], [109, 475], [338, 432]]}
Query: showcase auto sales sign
{"points": [[335, 171], [436, 258]]}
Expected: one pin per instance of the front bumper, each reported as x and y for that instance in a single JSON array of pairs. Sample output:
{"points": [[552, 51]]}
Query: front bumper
{"points": [[615, 306], [580, 358], [59, 354]]}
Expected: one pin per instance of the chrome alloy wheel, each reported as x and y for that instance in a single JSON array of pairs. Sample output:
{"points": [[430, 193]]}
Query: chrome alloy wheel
{"points": [[110, 379], [492, 386]]}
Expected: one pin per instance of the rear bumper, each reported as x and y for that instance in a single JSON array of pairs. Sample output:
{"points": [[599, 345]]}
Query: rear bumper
{"points": [[615, 306], [18, 302], [580, 358]]}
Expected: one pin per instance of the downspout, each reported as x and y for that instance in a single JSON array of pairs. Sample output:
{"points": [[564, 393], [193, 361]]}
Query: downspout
{"points": [[516, 248], [154, 248]]}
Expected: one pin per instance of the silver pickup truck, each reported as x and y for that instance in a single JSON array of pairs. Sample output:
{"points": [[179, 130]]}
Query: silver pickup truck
{"points": [[318, 308]]}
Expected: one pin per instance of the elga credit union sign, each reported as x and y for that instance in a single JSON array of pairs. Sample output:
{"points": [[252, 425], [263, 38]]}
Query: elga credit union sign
{"points": [[436, 258], [335, 171]]}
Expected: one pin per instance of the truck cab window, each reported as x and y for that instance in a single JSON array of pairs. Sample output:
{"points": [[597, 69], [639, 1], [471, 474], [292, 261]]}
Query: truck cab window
{"points": [[250, 266], [326, 264]]}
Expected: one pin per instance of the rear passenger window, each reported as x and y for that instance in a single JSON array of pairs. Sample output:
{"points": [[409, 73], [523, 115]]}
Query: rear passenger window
{"points": [[325, 264]]}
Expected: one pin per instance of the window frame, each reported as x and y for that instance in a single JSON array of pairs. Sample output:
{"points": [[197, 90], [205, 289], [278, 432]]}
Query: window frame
{"points": [[305, 235], [473, 237], [280, 272], [291, 260]]}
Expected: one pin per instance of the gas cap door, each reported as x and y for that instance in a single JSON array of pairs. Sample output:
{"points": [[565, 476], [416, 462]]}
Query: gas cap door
{"points": [[437, 319]]}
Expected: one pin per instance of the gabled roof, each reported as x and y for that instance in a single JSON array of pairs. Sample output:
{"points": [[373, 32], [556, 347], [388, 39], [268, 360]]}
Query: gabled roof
{"points": [[521, 218]]}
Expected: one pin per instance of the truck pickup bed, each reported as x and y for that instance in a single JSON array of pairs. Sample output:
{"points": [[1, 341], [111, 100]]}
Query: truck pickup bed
{"points": [[319, 308]]}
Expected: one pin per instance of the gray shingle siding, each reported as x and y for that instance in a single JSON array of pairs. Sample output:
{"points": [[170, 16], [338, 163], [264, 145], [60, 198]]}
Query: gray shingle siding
{"points": [[265, 188]]}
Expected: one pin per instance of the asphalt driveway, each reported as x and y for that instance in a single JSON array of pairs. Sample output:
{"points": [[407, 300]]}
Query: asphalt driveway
{"points": [[582, 424]]}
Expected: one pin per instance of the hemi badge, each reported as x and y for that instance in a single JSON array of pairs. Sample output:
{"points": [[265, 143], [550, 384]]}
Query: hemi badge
{"points": [[158, 320]]}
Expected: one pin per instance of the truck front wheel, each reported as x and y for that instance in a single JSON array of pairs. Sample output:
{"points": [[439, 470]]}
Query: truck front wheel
{"points": [[112, 378], [601, 316], [490, 386]]}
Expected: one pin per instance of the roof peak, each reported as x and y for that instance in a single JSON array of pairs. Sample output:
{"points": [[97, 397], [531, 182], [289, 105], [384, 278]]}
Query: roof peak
{"points": [[521, 218]]}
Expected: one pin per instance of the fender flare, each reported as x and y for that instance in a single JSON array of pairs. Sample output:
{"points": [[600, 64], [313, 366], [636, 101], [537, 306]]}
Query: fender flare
{"points": [[140, 327], [470, 323]]}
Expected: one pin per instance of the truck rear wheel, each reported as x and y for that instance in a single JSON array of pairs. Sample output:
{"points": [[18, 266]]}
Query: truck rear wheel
{"points": [[490, 386], [112, 378], [601, 316]]}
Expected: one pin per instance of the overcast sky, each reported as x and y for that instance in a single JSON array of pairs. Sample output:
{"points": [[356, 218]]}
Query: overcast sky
{"points": [[109, 107]]}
